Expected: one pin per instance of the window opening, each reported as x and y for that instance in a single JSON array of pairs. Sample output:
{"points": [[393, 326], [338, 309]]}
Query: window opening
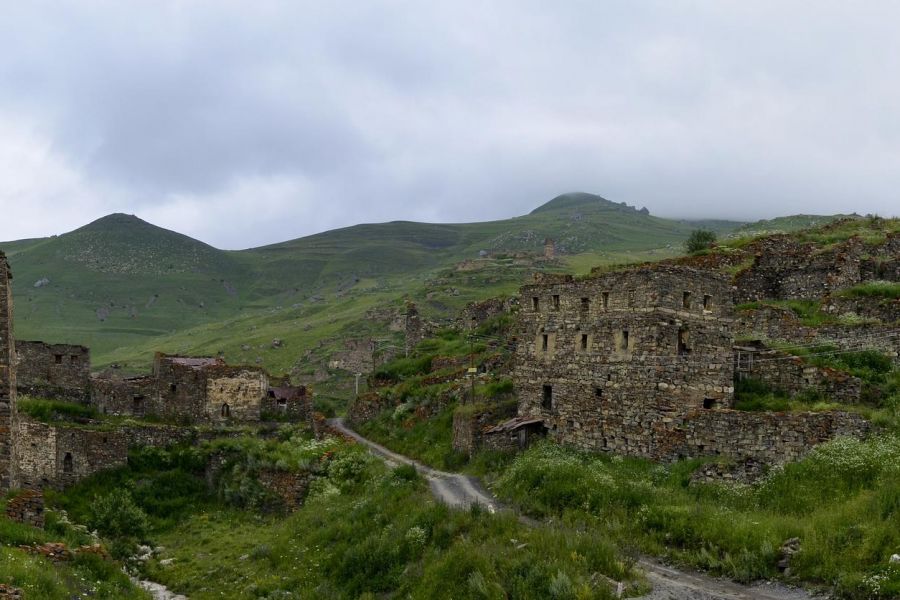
{"points": [[605, 299], [547, 399], [686, 300]]}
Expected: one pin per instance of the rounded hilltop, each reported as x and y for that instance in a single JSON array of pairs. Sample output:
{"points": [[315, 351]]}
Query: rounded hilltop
{"points": [[583, 200]]}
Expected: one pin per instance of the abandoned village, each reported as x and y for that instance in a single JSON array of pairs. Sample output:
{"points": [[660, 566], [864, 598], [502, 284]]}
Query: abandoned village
{"points": [[638, 361]]}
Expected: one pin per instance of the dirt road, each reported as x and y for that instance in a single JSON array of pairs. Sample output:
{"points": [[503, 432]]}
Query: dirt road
{"points": [[668, 583]]}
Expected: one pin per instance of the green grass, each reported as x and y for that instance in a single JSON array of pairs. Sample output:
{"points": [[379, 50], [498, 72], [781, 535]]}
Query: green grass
{"points": [[38, 577], [874, 289], [49, 411], [809, 312], [365, 531], [841, 501], [156, 289]]}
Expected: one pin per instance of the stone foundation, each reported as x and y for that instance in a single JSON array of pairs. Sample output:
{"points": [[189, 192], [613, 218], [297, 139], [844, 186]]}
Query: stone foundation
{"points": [[27, 507]]}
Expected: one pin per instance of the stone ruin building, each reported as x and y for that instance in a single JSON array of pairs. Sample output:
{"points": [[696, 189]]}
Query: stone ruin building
{"points": [[641, 362], [183, 390], [200, 390], [53, 371]]}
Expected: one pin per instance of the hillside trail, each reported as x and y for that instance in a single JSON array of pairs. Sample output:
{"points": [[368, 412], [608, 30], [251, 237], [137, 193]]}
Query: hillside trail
{"points": [[669, 583]]}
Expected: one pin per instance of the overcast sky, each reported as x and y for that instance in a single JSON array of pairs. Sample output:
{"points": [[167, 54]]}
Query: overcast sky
{"points": [[245, 123]]}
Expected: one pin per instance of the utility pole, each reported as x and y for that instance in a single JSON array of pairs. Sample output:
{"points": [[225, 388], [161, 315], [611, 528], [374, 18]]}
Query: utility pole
{"points": [[358, 375]]}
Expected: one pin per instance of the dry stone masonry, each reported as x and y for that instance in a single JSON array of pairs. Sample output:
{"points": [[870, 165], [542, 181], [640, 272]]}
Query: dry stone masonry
{"points": [[53, 371], [7, 377], [641, 362]]}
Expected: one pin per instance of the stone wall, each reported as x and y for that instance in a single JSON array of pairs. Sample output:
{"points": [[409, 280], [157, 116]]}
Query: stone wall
{"points": [[640, 362], [292, 402], [53, 371], [475, 314], [26, 507], [885, 310], [773, 438], [131, 396], [366, 407], [290, 486], [469, 423], [774, 323], [60, 455], [603, 359], [236, 395], [357, 356], [793, 376], [784, 268], [7, 377]]}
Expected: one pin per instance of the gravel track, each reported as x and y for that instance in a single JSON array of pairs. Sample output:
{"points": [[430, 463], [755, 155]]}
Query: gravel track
{"points": [[462, 491]]}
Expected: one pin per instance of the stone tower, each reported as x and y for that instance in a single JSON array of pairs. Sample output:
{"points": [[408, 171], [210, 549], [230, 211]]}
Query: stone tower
{"points": [[7, 376], [549, 249]]}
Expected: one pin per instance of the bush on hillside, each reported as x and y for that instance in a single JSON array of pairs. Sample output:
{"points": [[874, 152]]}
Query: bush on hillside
{"points": [[699, 240], [116, 515]]}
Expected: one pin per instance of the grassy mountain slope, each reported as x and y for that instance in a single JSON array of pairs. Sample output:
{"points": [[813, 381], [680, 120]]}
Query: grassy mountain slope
{"points": [[126, 287]]}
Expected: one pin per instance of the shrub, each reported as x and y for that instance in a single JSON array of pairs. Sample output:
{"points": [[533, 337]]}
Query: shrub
{"points": [[699, 240], [116, 515]]}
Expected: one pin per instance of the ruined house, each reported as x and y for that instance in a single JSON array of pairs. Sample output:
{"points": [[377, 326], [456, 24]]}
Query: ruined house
{"points": [[640, 362], [192, 390], [53, 371]]}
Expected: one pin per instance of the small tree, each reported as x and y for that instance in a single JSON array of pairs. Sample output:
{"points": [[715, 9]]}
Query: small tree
{"points": [[699, 240], [116, 515]]}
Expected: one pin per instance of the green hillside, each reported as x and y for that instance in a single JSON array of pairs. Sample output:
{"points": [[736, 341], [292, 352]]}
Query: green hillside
{"points": [[126, 287]]}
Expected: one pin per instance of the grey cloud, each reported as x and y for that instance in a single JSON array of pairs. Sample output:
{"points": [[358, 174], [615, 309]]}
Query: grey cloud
{"points": [[246, 123]]}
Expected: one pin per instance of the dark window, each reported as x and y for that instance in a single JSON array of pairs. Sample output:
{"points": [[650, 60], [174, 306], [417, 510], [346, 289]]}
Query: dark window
{"points": [[585, 304], [282, 402], [605, 297], [226, 411], [686, 300], [74, 358], [271, 393], [624, 340], [68, 463], [545, 341], [709, 403], [173, 388], [137, 404], [58, 359], [536, 303], [547, 399], [555, 300], [598, 391], [584, 341], [683, 347], [707, 302]]}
